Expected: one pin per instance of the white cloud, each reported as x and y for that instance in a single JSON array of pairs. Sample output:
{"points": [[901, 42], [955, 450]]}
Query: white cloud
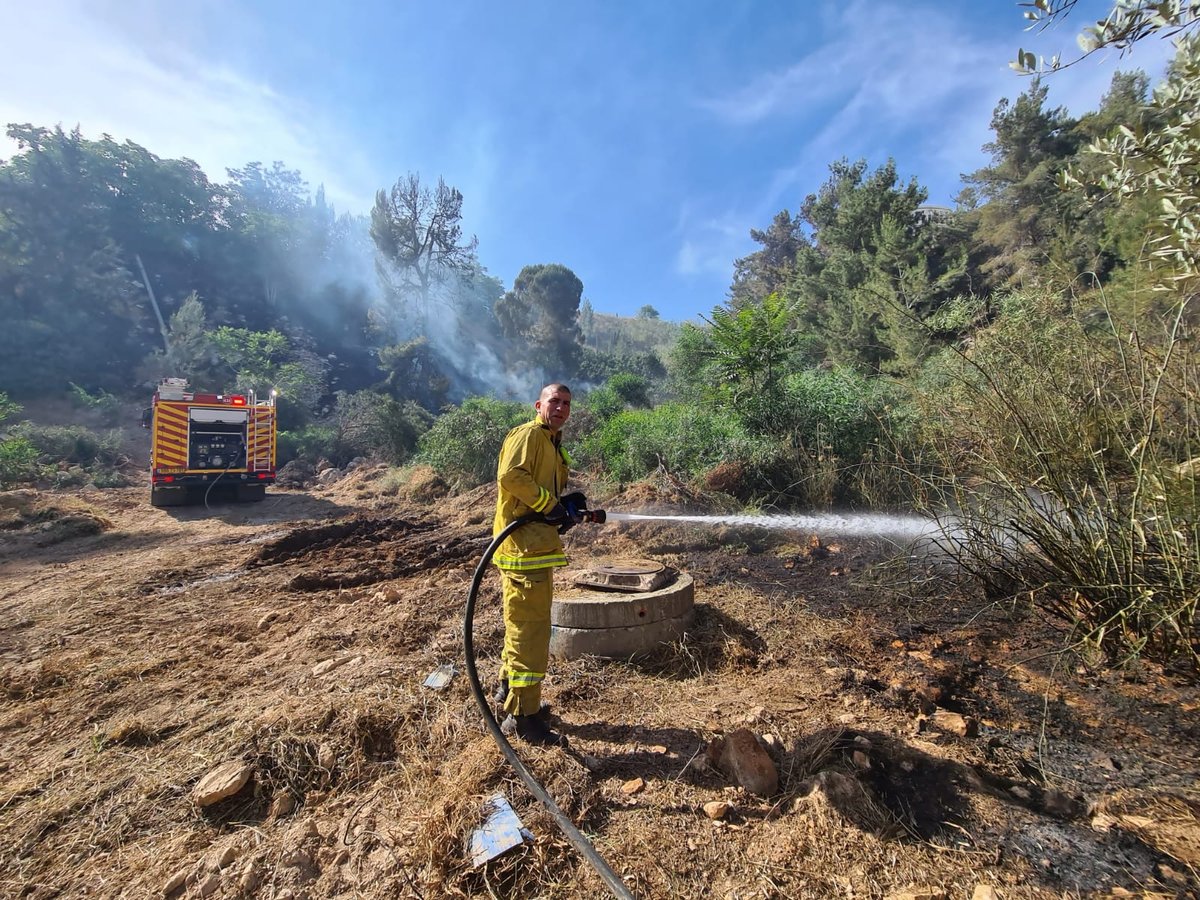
{"points": [[895, 80], [709, 244], [76, 67]]}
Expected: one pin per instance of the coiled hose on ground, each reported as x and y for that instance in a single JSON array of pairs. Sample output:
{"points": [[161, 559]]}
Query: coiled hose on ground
{"points": [[581, 843]]}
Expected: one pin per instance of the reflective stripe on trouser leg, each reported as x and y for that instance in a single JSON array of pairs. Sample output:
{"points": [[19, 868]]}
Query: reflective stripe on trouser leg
{"points": [[527, 597]]}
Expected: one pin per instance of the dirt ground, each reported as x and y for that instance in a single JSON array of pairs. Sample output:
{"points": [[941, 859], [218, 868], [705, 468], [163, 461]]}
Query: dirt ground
{"points": [[925, 743]]}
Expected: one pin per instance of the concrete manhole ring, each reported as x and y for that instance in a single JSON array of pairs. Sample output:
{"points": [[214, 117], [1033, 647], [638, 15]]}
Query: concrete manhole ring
{"points": [[606, 623]]}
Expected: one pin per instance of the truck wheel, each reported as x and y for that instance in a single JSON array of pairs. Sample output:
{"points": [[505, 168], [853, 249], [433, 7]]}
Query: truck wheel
{"points": [[167, 497], [251, 493]]}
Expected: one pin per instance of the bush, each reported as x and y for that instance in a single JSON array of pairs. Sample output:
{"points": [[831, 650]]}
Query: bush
{"points": [[370, 424], [104, 403], [72, 444], [310, 444], [18, 462], [463, 444], [618, 393], [1065, 454], [684, 440]]}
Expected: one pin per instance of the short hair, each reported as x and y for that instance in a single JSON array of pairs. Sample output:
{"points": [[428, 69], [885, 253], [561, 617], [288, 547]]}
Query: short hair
{"points": [[553, 386]]}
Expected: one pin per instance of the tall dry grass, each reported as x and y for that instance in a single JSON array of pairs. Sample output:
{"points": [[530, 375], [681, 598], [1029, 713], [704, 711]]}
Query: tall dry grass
{"points": [[1067, 443]]}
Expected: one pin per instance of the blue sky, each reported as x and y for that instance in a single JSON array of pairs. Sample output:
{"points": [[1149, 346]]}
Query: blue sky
{"points": [[636, 143]]}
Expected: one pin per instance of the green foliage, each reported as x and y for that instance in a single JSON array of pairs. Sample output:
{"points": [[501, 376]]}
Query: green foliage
{"points": [[72, 444], [266, 361], [18, 457], [1126, 23], [102, 402], [836, 412], [463, 445], [18, 462], [680, 438], [311, 443], [414, 373], [750, 349], [8, 408], [769, 270], [371, 424], [541, 315], [600, 365], [1069, 452], [617, 394], [1160, 158]]}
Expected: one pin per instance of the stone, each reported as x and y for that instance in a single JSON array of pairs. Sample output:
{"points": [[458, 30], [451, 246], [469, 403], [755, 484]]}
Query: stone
{"points": [[861, 760], [268, 619], [716, 809], [984, 892], [953, 723], [740, 755], [175, 883], [251, 878], [329, 476], [209, 885], [327, 757], [918, 893], [633, 786], [328, 665], [282, 804], [223, 781]]}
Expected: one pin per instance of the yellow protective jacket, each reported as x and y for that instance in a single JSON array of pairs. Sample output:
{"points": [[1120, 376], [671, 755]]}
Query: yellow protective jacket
{"points": [[530, 477]]}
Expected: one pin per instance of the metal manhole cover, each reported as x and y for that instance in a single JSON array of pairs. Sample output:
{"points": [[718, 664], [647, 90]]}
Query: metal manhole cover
{"points": [[625, 575], [626, 567]]}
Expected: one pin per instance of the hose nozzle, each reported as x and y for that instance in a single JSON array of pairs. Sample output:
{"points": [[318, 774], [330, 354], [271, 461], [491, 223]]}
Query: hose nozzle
{"points": [[595, 516]]}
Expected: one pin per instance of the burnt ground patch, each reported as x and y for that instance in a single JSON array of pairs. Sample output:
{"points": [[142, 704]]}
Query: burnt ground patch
{"points": [[364, 551]]}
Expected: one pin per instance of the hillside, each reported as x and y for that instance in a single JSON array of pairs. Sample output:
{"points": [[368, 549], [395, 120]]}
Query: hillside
{"points": [[932, 744]]}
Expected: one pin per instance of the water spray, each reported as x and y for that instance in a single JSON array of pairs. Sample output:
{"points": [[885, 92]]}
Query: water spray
{"points": [[828, 523], [908, 526]]}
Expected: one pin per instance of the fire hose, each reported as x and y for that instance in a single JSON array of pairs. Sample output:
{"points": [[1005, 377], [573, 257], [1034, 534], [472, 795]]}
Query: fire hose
{"points": [[581, 843]]}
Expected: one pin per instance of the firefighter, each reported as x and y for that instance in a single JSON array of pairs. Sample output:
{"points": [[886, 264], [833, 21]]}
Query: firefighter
{"points": [[530, 477]]}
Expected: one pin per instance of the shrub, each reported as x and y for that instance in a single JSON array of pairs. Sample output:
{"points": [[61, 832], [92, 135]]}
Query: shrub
{"points": [[464, 442], [310, 443], [73, 444], [369, 424], [1064, 452], [18, 462], [8, 408], [685, 440], [618, 393], [104, 403]]}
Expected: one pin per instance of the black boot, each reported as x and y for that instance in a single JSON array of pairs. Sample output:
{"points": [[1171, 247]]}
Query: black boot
{"points": [[533, 730], [501, 695]]}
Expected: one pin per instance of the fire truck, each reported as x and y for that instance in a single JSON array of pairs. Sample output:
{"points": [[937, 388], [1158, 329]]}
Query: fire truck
{"points": [[201, 442]]}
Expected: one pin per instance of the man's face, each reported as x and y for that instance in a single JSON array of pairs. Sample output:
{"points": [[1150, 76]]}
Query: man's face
{"points": [[554, 407]]}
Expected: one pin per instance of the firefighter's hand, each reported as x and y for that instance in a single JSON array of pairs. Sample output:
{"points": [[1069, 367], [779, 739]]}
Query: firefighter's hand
{"points": [[575, 503], [557, 515]]}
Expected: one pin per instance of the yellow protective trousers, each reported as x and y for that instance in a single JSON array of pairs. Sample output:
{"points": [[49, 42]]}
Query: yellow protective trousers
{"points": [[527, 599]]}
